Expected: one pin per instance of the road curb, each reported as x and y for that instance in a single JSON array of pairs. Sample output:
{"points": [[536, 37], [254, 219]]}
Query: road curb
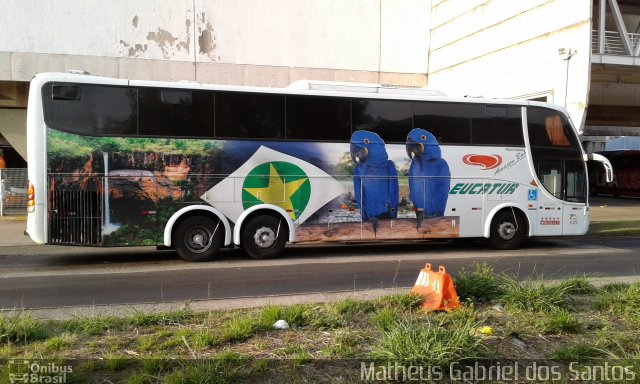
{"points": [[126, 310]]}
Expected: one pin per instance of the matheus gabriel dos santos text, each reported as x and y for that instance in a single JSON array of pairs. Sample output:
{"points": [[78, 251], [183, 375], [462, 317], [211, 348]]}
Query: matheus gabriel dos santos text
{"points": [[516, 371]]}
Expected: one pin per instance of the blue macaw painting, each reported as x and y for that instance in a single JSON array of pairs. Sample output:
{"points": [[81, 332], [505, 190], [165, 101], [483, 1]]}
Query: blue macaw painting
{"points": [[429, 175], [375, 178]]}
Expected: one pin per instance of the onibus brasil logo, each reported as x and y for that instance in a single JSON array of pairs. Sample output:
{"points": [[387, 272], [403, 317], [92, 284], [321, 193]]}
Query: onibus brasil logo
{"points": [[279, 183]]}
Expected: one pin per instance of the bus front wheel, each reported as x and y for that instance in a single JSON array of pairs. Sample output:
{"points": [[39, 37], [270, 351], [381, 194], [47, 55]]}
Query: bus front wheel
{"points": [[264, 236], [507, 230], [198, 238]]}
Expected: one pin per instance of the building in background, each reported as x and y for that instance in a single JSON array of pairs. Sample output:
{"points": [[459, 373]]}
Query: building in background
{"points": [[579, 54]]}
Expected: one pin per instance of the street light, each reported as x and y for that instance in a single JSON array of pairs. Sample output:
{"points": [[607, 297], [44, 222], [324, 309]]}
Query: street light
{"points": [[568, 53]]}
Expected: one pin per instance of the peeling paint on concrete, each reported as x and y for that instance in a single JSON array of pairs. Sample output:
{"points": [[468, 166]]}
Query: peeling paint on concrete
{"points": [[135, 50], [168, 43], [159, 42], [206, 38]]}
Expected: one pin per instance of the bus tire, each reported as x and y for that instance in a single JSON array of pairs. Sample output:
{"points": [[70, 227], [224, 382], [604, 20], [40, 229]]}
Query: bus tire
{"points": [[507, 230], [198, 238], [264, 236]]}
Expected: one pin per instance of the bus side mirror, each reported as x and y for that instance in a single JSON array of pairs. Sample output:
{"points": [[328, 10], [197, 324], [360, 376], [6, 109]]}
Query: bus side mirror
{"points": [[608, 168]]}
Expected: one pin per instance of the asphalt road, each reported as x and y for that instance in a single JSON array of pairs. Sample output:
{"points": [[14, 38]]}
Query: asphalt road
{"points": [[55, 276]]}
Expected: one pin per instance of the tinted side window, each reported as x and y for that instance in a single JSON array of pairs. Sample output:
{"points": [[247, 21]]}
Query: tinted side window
{"points": [[91, 109], [450, 123], [175, 112], [390, 119], [318, 118], [497, 125], [249, 115]]}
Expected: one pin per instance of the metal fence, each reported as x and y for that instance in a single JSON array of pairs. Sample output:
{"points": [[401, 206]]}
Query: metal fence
{"points": [[13, 191]]}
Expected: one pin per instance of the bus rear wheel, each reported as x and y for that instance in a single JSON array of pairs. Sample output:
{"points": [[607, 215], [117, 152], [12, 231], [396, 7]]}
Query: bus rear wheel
{"points": [[507, 230], [198, 238], [264, 236]]}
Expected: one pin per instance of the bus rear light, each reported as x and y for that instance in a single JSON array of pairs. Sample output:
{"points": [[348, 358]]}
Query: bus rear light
{"points": [[31, 198]]}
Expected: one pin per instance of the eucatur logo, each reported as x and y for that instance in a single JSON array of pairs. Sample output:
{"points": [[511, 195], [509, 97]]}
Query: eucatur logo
{"points": [[484, 161]]}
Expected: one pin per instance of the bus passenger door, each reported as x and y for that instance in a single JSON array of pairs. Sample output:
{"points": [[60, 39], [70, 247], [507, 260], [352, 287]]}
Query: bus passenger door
{"points": [[565, 180], [575, 192], [550, 210]]}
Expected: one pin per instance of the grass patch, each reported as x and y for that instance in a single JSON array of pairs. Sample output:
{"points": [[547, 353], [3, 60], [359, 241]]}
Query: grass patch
{"points": [[21, 328], [62, 341], [578, 285], [385, 318], [579, 352], [477, 283], [621, 300], [561, 321], [431, 341], [534, 294], [402, 301], [178, 317], [93, 325], [345, 344], [615, 228], [566, 321], [294, 315], [239, 329]]}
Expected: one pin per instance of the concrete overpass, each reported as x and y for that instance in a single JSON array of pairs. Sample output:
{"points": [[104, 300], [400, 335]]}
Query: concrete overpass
{"points": [[614, 95]]}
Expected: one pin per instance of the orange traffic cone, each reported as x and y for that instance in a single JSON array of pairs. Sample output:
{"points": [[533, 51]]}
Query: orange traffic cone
{"points": [[437, 289]]}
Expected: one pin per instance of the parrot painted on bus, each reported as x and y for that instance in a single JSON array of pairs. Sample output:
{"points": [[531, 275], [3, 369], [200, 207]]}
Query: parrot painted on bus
{"points": [[375, 178], [429, 175]]}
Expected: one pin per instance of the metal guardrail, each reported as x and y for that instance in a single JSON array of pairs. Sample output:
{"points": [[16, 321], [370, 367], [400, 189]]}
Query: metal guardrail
{"points": [[613, 44], [13, 191]]}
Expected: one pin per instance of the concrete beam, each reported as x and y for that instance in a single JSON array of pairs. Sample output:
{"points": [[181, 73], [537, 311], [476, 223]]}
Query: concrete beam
{"points": [[13, 126], [610, 130]]}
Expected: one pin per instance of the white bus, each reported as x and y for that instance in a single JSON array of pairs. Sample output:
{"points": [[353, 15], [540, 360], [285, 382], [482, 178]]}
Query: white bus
{"points": [[198, 167]]}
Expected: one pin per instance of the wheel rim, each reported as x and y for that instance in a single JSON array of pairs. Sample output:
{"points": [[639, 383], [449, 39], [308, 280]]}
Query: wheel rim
{"points": [[507, 230], [264, 237], [198, 239]]}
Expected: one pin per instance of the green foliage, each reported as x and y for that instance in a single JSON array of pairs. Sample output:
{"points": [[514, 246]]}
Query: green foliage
{"points": [[352, 307], [239, 329], [92, 325], [620, 300], [534, 294], [116, 363], [345, 344], [296, 315], [384, 319], [578, 352], [269, 315], [21, 328], [62, 341], [68, 146], [204, 338], [477, 283], [432, 341], [63, 146], [222, 369], [178, 317], [578, 285], [402, 301], [560, 321]]}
